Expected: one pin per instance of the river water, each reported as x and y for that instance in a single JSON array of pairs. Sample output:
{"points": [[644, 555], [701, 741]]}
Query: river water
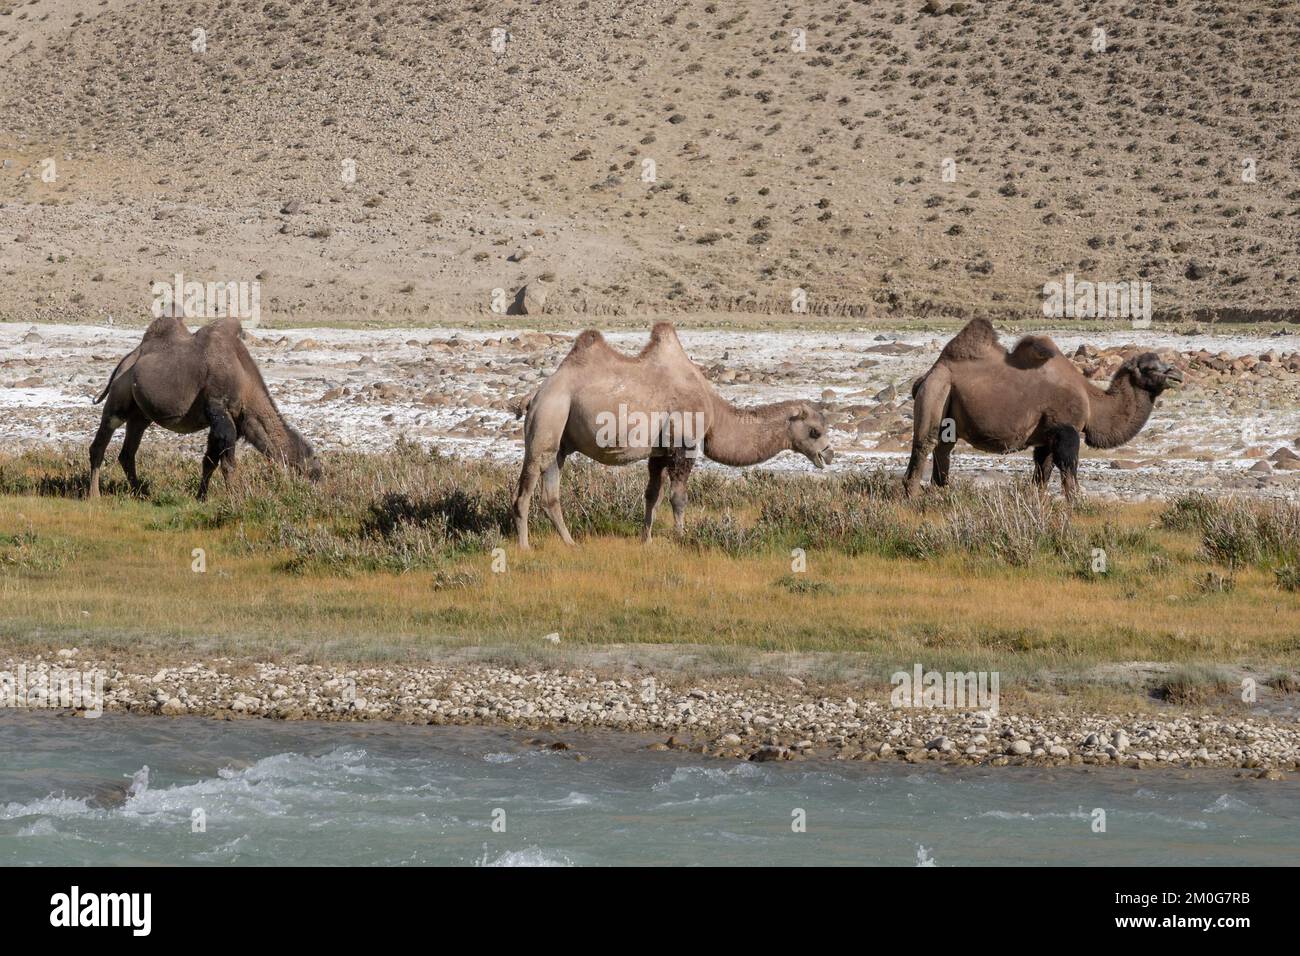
{"points": [[141, 790]]}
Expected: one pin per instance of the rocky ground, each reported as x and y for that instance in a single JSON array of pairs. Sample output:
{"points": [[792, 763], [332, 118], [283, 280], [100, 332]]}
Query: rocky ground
{"points": [[1234, 426], [781, 719]]}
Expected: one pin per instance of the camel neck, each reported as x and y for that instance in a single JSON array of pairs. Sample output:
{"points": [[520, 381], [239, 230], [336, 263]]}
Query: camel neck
{"points": [[747, 436], [1118, 413], [265, 430]]}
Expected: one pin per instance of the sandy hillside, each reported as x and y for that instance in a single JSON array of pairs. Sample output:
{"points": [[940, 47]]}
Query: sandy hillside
{"points": [[481, 169]]}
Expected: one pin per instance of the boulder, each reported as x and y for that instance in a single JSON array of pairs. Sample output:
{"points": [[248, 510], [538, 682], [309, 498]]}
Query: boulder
{"points": [[532, 299]]}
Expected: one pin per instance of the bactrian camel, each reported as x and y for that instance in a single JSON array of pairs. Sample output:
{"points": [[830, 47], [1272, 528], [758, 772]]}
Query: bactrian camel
{"points": [[656, 406], [187, 382], [1032, 396]]}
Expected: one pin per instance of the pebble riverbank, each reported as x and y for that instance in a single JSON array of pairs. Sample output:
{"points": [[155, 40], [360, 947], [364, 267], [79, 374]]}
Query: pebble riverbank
{"points": [[780, 719]]}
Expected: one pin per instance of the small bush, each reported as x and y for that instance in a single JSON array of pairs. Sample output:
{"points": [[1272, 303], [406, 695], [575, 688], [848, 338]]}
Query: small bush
{"points": [[802, 584], [723, 534], [1212, 582], [1194, 685], [25, 551], [1238, 532]]}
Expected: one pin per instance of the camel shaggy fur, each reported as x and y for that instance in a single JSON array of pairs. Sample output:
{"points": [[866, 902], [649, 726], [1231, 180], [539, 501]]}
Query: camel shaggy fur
{"points": [[1032, 396], [657, 406], [187, 382]]}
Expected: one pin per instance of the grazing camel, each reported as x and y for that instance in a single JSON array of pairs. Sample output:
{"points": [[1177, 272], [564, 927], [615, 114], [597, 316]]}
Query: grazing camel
{"points": [[1002, 401], [657, 406], [187, 382]]}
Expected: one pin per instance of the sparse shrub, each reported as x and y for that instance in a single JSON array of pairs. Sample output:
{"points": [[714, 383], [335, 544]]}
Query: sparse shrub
{"points": [[446, 579], [413, 508], [1159, 564], [723, 534], [1015, 524], [1284, 682], [1212, 582], [1193, 685], [25, 551], [1236, 532], [802, 584]]}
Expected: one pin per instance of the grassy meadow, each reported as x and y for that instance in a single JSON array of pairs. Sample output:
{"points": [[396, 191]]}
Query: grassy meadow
{"points": [[391, 557]]}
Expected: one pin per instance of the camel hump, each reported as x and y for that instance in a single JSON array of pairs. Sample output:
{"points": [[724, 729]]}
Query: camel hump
{"points": [[663, 335], [161, 332], [227, 326], [977, 339], [1033, 351], [663, 332], [163, 329], [586, 340]]}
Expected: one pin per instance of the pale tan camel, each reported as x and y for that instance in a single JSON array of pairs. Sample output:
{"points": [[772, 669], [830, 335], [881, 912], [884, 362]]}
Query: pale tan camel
{"points": [[656, 406], [1002, 402], [188, 382]]}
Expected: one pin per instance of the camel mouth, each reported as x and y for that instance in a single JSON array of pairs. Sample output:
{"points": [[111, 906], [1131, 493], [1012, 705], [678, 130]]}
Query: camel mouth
{"points": [[1174, 377], [821, 459]]}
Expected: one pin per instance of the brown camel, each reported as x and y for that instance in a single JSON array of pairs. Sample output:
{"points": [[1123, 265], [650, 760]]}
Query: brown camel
{"points": [[1002, 402], [657, 406], [187, 382]]}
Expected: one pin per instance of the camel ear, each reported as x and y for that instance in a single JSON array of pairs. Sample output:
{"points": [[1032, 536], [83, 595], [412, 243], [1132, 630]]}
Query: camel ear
{"points": [[800, 415]]}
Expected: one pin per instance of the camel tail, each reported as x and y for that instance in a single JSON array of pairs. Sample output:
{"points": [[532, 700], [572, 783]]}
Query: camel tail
{"points": [[520, 407], [122, 366], [931, 393]]}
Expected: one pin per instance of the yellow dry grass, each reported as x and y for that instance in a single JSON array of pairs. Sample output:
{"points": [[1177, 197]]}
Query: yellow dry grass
{"points": [[114, 576]]}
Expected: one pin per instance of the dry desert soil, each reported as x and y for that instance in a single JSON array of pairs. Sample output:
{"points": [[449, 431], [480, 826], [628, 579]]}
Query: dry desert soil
{"points": [[793, 146]]}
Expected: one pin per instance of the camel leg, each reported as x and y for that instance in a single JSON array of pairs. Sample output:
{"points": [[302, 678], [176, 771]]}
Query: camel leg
{"points": [[679, 470], [942, 457], [528, 476], [135, 428], [551, 497], [929, 405], [545, 449], [222, 437], [1043, 463], [107, 426], [916, 465], [1065, 452], [653, 492]]}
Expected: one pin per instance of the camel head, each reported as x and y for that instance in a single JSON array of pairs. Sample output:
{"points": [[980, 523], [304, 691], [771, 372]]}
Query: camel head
{"points": [[1150, 374], [809, 434], [302, 456]]}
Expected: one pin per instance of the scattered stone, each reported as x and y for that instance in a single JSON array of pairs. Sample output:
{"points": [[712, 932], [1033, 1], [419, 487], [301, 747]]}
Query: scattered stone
{"points": [[533, 299]]}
